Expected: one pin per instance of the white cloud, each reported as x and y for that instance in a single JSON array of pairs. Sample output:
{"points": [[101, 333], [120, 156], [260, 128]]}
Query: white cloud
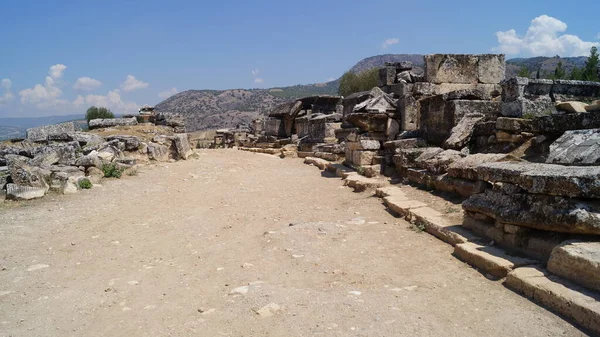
{"points": [[111, 100], [543, 39], [6, 84], [86, 84], [255, 72], [390, 42], [43, 96], [167, 93], [57, 70], [329, 79], [258, 80], [131, 83], [7, 96]]}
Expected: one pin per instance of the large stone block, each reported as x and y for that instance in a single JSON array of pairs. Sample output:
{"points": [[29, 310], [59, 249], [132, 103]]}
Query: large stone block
{"points": [[577, 261], [568, 181], [464, 68], [274, 127], [544, 212], [362, 158], [491, 90], [17, 192], [578, 147], [370, 122], [467, 167], [387, 76], [461, 133], [111, 122], [41, 133], [364, 144]]}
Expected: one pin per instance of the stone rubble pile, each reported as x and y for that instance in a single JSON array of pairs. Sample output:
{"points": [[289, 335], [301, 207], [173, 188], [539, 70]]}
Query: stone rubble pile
{"points": [[61, 160]]}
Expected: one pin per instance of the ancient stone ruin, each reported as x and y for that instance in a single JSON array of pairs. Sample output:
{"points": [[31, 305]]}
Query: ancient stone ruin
{"points": [[522, 155], [59, 159]]}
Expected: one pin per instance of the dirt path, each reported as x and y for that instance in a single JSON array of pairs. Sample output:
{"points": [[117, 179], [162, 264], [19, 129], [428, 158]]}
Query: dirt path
{"points": [[205, 248]]}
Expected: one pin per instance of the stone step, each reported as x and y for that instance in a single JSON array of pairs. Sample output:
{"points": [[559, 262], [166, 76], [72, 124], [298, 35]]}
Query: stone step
{"points": [[577, 261], [438, 225], [401, 205], [318, 162], [488, 259], [558, 295], [387, 191], [339, 170], [362, 183]]}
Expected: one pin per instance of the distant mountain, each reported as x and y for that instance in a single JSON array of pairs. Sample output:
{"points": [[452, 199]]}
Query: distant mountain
{"points": [[16, 127], [546, 65], [380, 60]]}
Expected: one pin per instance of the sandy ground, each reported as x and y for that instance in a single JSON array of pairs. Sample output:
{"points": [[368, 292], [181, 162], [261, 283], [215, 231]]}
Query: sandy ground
{"points": [[240, 244]]}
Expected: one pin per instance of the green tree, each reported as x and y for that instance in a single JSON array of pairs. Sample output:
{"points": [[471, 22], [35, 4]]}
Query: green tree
{"points": [[537, 74], [559, 71], [576, 74], [98, 112], [523, 72], [351, 83], [590, 70]]}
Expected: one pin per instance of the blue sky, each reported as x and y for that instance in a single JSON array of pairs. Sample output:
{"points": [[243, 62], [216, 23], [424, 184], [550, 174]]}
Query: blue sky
{"points": [[60, 57]]}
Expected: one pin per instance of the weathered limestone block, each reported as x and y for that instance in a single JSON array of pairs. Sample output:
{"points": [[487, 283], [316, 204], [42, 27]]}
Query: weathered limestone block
{"points": [[274, 127], [182, 145], [544, 212], [407, 158], [61, 153], [24, 174], [402, 89], [467, 167], [370, 122], [343, 133], [89, 160], [439, 162], [558, 124], [17, 192], [362, 158], [409, 113], [158, 152], [387, 76], [393, 128], [41, 133], [577, 261], [461, 133], [111, 122], [128, 143], [364, 144], [470, 69], [568, 181], [514, 125], [578, 147], [571, 107], [490, 90], [439, 114], [396, 146]]}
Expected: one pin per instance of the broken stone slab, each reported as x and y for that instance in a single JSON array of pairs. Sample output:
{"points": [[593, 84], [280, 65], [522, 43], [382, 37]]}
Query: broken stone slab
{"points": [[41, 133], [558, 124], [467, 167], [182, 145], [17, 192], [369, 122], [551, 179], [318, 162], [129, 143], [363, 144], [439, 162], [577, 261], [396, 146], [387, 76], [362, 183], [461, 133], [26, 175], [571, 107], [111, 122], [489, 259], [360, 157], [158, 152], [514, 125], [378, 102], [407, 158], [462, 187], [387, 191], [558, 295], [543, 212], [89, 160], [577, 147], [339, 169], [404, 76]]}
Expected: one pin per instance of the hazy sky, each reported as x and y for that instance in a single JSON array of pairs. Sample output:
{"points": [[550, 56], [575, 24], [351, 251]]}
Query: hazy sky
{"points": [[60, 57]]}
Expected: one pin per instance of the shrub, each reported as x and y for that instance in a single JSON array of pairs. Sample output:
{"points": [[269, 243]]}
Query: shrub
{"points": [[98, 112], [85, 184], [364, 81], [111, 171]]}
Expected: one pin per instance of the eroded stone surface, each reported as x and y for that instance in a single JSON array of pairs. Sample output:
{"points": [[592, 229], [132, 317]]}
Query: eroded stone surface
{"points": [[578, 147], [577, 261]]}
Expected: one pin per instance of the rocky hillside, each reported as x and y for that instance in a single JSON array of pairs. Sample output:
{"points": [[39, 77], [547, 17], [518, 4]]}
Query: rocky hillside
{"points": [[546, 65]]}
